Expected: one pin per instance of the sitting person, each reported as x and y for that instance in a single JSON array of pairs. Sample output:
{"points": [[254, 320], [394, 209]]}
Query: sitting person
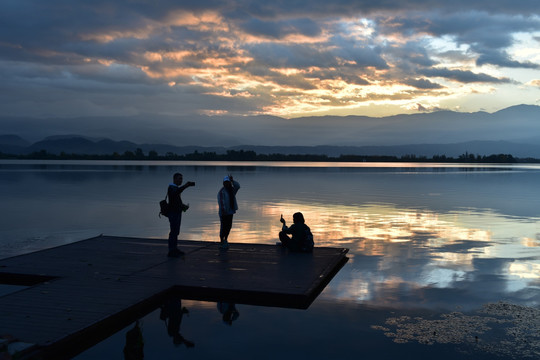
{"points": [[302, 239]]}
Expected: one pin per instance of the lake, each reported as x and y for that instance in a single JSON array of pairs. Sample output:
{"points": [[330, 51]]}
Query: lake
{"points": [[444, 259]]}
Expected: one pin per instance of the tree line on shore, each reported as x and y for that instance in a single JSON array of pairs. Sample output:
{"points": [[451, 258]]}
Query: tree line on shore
{"points": [[249, 155]]}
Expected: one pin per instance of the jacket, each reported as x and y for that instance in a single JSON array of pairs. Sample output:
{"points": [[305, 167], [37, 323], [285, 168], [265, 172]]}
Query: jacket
{"points": [[224, 200]]}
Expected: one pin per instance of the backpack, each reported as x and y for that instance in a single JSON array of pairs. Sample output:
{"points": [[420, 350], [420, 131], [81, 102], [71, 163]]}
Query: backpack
{"points": [[164, 207]]}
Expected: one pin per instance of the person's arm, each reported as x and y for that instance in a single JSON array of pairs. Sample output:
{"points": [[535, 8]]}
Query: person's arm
{"points": [[185, 186], [236, 186], [221, 200], [284, 227]]}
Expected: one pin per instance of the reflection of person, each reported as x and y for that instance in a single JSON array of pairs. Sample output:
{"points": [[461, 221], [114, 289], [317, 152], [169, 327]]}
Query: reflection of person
{"points": [[172, 313], [229, 312], [302, 239], [227, 208], [176, 207], [134, 348]]}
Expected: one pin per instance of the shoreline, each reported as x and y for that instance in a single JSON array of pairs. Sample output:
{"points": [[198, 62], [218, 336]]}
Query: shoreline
{"points": [[330, 164]]}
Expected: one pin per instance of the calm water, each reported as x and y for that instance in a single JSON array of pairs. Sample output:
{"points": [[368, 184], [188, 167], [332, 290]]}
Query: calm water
{"points": [[444, 259]]}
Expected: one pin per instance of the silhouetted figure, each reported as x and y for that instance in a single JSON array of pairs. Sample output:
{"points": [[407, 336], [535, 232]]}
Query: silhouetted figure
{"points": [[229, 312], [227, 208], [176, 207], [172, 313], [302, 238], [134, 348]]}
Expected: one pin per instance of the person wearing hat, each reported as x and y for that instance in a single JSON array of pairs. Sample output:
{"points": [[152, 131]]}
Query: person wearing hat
{"points": [[227, 208]]}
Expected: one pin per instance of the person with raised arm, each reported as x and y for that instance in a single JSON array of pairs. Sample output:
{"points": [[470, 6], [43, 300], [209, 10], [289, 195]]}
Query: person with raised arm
{"points": [[227, 208]]}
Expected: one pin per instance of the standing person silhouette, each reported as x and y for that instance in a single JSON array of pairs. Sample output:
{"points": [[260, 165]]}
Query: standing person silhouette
{"points": [[227, 208], [176, 207]]}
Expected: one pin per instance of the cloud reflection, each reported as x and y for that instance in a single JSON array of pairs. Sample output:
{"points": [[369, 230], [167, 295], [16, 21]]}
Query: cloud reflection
{"points": [[405, 257]]}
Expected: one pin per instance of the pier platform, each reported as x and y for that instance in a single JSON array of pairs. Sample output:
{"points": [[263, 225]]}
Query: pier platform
{"points": [[70, 297]]}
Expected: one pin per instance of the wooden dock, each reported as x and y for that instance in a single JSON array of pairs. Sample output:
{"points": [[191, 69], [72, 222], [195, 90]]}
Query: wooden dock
{"points": [[81, 293]]}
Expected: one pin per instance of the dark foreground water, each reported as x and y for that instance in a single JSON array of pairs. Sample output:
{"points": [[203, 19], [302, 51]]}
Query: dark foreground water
{"points": [[444, 260]]}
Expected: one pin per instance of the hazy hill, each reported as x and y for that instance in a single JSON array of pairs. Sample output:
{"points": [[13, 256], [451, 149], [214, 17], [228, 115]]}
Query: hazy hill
{"points": [[13, 144], [13, 140], [81, 145], [517, 124], [74, 144], [514, 130]]}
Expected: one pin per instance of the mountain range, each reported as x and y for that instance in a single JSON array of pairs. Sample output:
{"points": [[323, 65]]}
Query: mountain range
{"points": [[514, 130], [75, 144]]}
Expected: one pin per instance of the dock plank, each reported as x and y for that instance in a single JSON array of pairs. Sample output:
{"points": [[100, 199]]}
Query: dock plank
{"points": [[98, 283]]}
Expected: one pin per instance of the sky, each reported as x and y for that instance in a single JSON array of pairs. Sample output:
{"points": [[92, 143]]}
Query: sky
{"points": [[241, 58]]}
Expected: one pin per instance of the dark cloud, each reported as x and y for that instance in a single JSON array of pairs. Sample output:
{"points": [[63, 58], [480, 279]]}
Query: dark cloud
{"points": [[358, 54], [279, 8], [501, 58], [305, 55], [463, 76], [285, 55], [486, 34], [281, 29], [350, 78], [409, 56], [422, 84]]}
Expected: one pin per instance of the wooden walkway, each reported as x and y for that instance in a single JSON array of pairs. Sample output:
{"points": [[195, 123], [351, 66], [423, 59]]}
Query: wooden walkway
{"points": [[81, 293]]}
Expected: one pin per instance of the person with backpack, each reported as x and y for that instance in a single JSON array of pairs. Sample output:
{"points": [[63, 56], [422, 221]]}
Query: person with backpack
{"points": [[302, 238], [176, 207]]}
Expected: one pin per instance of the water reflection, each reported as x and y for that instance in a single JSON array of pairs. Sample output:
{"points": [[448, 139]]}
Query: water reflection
{"points": [[400, 256], [172, 312], [134, 348], [416, 232], [435, 237], [495, 329], [228, 311]]}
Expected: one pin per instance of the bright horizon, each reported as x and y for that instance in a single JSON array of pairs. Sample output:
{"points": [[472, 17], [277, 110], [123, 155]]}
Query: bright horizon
{"points": [[245, 58]]}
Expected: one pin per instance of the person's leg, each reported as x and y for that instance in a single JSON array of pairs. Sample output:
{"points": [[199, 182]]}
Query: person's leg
{"points": [[228, 226], [175, 220], [225, 229], [285, 239], [221, 227]]}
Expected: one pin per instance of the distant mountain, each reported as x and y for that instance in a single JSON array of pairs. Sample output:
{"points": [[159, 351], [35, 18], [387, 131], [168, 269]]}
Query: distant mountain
{"points": [[516, 124], [77, 144], [74, 144], [13, 140], [12, 144]]}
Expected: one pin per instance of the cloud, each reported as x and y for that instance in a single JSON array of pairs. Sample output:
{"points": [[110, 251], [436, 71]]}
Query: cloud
{"points": [[502, 59], [463, 76], [252, 57], [422, 84], [281, 29]]}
